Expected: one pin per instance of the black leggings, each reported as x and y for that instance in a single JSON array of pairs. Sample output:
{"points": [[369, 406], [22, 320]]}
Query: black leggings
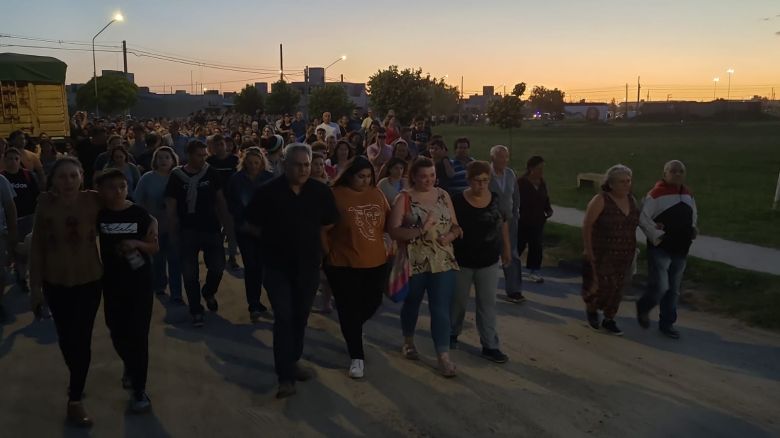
{"points": [[358, 294], [128, 312], [73, 310]]}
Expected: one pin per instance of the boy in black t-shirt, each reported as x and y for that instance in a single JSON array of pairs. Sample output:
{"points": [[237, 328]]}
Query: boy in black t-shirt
{"points": [[26, 187], [225, 164], [128, 239]]}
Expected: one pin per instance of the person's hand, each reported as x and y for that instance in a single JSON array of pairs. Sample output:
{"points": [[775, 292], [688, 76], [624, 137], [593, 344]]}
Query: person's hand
{"points": [[430, 222], [659, 226], [126, 246], [445, 239]]}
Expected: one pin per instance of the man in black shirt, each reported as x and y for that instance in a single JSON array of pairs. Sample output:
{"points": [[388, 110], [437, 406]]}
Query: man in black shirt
{"points": [[128, 239], [197, 211], [289, 213], [225, 164]]}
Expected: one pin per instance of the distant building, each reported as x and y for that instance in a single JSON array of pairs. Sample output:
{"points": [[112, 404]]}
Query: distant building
{"points": [[591, 111], [261, 87], [478, 104], [687, 109]]}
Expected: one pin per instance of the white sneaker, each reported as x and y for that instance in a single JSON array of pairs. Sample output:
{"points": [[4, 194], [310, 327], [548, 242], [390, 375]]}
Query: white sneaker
{"points": [[356, 369], [535, 278]]}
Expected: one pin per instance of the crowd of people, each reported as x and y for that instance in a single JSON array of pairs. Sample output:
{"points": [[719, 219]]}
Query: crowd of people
{"points": [[125, 211]]}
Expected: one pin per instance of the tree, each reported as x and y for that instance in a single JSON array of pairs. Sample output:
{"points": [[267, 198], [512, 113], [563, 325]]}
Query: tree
{"points": [[115, 94], [444, 98], [406, 92], [507, 112], [248, 101], [283, 98], [546, 100], [332, 98]]}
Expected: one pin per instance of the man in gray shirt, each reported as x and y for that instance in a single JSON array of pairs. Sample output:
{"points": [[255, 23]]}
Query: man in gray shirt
{"points": [[503, 182]]}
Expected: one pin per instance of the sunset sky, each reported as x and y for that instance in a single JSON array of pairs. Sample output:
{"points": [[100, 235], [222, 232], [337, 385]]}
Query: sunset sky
{"points": [[588, 49]]}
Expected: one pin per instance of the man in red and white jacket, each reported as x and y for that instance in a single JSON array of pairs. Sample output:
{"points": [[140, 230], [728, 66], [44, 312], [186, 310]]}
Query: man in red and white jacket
{"points": [[668, 220]]}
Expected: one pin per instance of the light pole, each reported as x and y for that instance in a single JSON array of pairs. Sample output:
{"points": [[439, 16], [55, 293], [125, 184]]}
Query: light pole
{"points": [[715, 91], [340, 58], [117, 17], [731, 73]]}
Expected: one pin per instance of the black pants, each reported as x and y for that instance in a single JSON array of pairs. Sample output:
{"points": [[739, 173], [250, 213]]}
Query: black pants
{"points": [[213, 247], [73, 310], [291, 292], [253, 269], [358, 294], [128, 312], [531, 236]]}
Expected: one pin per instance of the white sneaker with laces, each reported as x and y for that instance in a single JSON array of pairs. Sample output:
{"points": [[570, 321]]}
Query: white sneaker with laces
{"points": [[357, 369], [535, 278]]}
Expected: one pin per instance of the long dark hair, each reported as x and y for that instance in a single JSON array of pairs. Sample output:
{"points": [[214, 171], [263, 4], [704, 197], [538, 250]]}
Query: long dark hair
{"points": [[354, 166], [334, 159], [385, 172]]}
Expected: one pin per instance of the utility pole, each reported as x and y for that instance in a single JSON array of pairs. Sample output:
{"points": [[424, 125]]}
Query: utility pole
{"points": [[124, 54], [281, 63], [626, 115], [192, 86], [638, 90], [306, 90], [342, 78], [460, 101]]}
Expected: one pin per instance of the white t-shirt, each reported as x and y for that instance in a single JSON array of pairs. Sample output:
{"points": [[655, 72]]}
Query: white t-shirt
{"points": [[7, 194], [330, 129]]}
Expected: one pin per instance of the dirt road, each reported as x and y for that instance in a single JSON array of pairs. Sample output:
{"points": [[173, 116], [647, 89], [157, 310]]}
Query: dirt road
{"points": [[563, 379]]}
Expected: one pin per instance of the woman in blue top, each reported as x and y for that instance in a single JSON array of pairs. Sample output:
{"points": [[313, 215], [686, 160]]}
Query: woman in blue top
{"points": [[150, 194], [251, 174]]}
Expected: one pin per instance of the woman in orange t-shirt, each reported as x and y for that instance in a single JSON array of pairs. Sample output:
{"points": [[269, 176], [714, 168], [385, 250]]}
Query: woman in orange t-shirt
{"points": [[356, 264]]}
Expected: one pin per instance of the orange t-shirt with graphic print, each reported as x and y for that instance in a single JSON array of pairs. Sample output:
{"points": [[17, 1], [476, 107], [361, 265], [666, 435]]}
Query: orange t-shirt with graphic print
{"points": [[357, 239]]}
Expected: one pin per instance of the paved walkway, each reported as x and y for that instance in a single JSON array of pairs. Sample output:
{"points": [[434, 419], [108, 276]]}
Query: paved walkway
{"points": [[740, 255], [721, 379]]}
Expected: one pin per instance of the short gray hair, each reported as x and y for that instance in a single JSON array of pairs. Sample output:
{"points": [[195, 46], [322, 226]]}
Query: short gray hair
{"points": [[499, 147], [296, 147], [672, 164], [612, 173]]}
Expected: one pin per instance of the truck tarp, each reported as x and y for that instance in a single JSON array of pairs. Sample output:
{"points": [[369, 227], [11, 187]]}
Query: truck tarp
{"points": [[29, 68]]}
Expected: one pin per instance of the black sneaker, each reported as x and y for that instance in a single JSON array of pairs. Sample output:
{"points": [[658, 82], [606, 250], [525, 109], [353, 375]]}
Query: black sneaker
{"points": [[212, 303], [670, 332], [593, 320], [453, 342], [140, 404], [197, 320], [516, 298], [255, 316], [233, 265], [643, 318], [261, 308], [611, 326], [179, 301], [495, 355]]}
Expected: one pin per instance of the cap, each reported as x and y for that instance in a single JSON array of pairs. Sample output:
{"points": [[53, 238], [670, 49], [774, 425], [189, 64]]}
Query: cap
{"points": [[277, 144]]}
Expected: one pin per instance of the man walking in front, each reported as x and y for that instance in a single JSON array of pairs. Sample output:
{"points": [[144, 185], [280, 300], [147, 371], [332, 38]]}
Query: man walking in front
{"points": [[503, 182], [291, 252], [668, 220]]}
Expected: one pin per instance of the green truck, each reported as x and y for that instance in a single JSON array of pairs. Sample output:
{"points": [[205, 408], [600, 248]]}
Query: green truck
{"points": [[32, 96]]}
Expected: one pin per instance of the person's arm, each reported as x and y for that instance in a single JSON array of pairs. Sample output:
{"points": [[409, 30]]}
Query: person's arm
{"points": [[39, 173], [455, 231], [447, 165], [395, 224], [325, 238], [695, 219], [10, 219], [171, 207], [38, 252], [506, 250], [515, 197], [223, 214], [653, 231], [149, 245], [595, 207], [139, 194], [548, 211]]}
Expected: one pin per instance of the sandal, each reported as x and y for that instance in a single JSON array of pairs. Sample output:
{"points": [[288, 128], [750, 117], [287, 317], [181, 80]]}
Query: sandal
{"points": [[410, 352], [447, 369]]}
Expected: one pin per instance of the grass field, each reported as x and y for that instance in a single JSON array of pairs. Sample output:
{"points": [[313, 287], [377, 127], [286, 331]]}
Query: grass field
{"points": [[750, 296], [732, 168]]}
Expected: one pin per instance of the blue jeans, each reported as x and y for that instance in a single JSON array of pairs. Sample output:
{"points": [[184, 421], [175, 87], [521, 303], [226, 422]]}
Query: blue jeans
{"points": [[166, 267], [253, 269], [192, 242], [441, 289], [291, 293], [485, 281], [665, 272], [513, 279]]}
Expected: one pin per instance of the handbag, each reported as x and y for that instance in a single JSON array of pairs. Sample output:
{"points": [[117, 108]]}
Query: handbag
{"points": [[400, 268]]}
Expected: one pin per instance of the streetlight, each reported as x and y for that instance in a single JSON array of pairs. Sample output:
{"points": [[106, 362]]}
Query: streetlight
{"points": [[340, 58], [715, 92], [117, 17], [731, 73]]}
